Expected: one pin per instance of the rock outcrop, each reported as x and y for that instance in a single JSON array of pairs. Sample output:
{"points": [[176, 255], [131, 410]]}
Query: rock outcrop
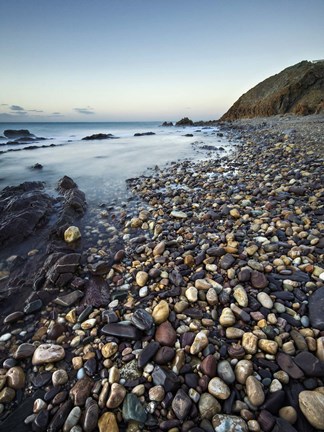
{"points": [[299, 89]]}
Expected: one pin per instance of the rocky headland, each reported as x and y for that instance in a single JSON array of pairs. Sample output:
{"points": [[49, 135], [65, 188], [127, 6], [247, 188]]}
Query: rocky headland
{"points": [[298, 89], [198, 309]]}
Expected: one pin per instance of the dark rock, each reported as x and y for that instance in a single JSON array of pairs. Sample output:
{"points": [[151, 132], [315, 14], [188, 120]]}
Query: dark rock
{"points": [[274, 401], [266, 420], [142, 320], [165, 334], [37, 166], [85, 313], [122, 330], [188, 135], [97, 292], [181, 405], [164, 355], [98, 136], [258, 280], [23, 210], [41, 379], [81, 391], [133, 410], [138, 134], [226, 261], [283, 425], [185, 121], [24, 350], [167, 123], [61, 415], [147, 353], [17, 133], [41, 421], [287, 364], [310, 364], [91, 415], [15, 420], [209, 366], [13, 317], [69, 299], [33, 306], [109, 316], [297, 89], [165, 377], [316, 308], [55, 330]]}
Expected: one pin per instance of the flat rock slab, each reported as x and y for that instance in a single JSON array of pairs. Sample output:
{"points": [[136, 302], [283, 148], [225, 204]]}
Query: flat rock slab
{"points": [[127, 331]]}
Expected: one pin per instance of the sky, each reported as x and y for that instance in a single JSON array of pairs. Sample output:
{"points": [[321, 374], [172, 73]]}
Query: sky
{"points": [[136, 60]]}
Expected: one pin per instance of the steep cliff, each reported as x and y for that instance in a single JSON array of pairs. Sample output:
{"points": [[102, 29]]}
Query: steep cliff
{"points": [[299, 89]]}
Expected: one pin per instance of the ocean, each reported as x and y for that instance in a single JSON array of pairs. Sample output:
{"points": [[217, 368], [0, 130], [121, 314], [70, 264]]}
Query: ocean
{"points": [[99, 167]]}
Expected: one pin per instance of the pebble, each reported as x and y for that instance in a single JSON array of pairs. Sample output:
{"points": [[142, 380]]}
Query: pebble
{"points": [[240, 296], [116, 397], [229, 423], [60, 377], [311, 404], [141, 278], [72, 419], [107, 422], [227, 318], [16, 378], [71, 234], [265, 300], [181, 405], [200, 342], [192, 294], [254, 391], [250, 342], [48, 353], [161, 312], [218, 388], [165, 334], [109, 349]]}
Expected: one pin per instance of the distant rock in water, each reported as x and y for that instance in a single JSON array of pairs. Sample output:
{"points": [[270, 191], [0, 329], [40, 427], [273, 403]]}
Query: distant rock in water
{"points": [[144, 134], [20, 136], [188, 135], [99, 136], [167, 124], [299, 89], [185, 122], [17, 133], [37, 166]]}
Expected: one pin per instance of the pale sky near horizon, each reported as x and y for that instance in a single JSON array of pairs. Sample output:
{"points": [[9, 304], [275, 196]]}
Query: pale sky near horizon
{"points": [[133, 60]]}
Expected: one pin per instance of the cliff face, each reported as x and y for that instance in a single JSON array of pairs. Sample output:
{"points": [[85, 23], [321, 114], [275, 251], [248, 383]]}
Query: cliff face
{"points": [[299, 89]]}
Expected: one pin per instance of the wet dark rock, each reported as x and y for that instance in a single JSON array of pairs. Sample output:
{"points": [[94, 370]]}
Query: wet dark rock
{"points": [[209, 366], [142, 319], [259, 280], [167, 123], [316, 309], [41, 421], [226, 261], [133, 410], [139, 134], [185, 121], [15, 420], [283, 425], [37, 166], [69, 299], [24, 350], [24, 209], [98, 136], [97, 292], [33, 306], [148, 353], [122, 330], [181, 405], [41, 379], [287, 364], [91, 415], [61, 415], [13, 317], [81, 391], [17, 133], [165, 334], [274, 401], [164, 355], [309, 364], [165, 377]]}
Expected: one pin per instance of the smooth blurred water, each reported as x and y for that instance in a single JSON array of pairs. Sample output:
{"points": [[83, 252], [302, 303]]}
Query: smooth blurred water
{"points": [[99, 167]]}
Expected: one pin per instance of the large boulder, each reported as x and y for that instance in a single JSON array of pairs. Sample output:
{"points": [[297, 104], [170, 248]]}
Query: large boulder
{"points": [[185, 122], [297, 89], [23, 210]]}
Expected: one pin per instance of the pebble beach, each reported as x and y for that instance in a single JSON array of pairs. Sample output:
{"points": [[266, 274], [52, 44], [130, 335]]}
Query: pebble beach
{"points": [[201, 310]]}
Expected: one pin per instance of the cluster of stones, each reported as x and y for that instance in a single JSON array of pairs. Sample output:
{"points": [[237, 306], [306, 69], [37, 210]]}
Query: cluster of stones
{"points": [[210, 319]]}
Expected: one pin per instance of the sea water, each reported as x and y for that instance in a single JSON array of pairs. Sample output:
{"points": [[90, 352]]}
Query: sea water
{"points": [[99, 167]]}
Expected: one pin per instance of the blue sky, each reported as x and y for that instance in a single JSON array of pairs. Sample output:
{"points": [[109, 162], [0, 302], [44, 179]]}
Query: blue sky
{"points": [[110, 60]]}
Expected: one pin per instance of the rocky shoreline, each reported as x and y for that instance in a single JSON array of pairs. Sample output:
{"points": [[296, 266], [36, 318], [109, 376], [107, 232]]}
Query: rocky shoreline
{"points": [[203, 311]]}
